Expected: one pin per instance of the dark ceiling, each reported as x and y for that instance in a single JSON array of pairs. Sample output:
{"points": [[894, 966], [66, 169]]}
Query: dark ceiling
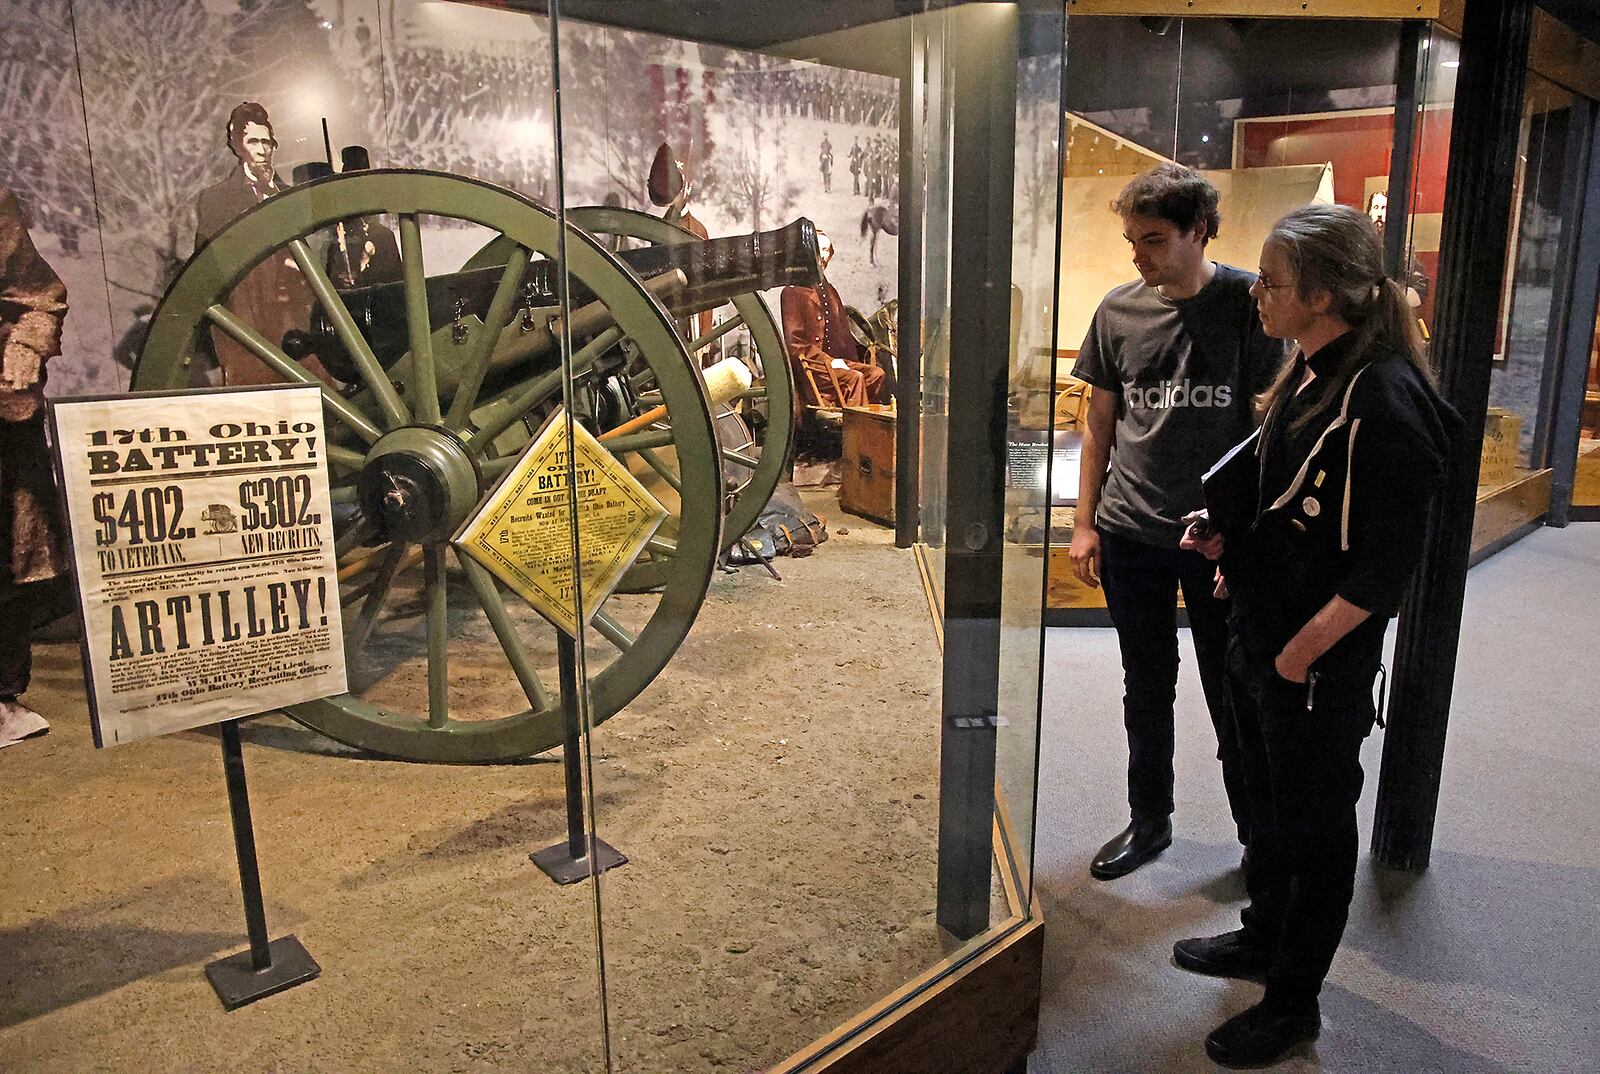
{"points": [[758, 24], [1582, 15], [1123, 63], [750, 24]]}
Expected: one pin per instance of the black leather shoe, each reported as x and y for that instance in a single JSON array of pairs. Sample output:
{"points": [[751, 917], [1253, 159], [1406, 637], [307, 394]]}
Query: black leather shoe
{"points": [[1135, 845], [1233, 954], [1263, 1034]]}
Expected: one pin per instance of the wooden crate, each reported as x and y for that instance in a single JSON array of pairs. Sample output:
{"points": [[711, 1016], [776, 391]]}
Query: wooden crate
{"points": [[866, 463], [1502, 432]]}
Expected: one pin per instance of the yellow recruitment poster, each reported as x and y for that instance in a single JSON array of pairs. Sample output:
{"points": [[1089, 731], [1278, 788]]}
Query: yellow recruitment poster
{"points": [[521, 533]]}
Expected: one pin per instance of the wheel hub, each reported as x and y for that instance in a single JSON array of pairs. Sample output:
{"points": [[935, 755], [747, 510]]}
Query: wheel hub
{"points": [[419, 484]]}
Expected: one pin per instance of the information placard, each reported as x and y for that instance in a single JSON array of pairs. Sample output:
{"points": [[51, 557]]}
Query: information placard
{"points": [[202, 534], [521, 532]]}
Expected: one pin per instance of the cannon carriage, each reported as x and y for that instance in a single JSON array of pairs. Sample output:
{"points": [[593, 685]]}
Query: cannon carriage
{"points": [[446, 377]]}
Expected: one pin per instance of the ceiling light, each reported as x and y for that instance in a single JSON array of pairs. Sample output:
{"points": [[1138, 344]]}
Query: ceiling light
{"points": [[1450, 63]]}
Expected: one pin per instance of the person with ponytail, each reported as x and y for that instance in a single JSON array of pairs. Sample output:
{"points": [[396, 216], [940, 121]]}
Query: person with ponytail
{"points": [[1317, 522]]}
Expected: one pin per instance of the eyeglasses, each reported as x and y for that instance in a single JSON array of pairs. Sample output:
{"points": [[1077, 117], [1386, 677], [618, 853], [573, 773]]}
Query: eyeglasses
{"points": [[1266, 284]]}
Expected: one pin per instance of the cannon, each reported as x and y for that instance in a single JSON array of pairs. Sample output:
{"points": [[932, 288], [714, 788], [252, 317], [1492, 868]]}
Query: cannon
{"points": [[449, 376]]}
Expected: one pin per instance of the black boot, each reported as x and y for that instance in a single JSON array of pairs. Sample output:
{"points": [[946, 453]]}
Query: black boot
{"points": [[1264, 1033], [1132, 847], [1233, 954]]}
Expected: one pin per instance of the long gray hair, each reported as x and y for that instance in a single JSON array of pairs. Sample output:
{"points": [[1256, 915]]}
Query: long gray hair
{"points": [[1336, 249]]}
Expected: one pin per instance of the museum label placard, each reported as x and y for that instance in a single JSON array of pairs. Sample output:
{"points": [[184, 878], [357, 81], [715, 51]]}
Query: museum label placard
{"points": [[202, 535], [522, 531]]}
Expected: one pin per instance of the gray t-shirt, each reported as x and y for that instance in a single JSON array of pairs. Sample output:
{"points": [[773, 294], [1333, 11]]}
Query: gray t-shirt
{"points": [[1185, 372]]}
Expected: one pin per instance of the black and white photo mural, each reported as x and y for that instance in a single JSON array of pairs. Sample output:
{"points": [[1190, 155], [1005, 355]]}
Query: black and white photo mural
{"points": [[117, 115]]}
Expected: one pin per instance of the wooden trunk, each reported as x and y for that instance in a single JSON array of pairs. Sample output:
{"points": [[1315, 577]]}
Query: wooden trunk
{"points": [[866, 464]]}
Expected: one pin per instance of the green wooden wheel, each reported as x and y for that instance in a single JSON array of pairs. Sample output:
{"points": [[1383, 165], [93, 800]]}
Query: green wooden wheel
{"points": [[759, 473], [426, 407], [776, 392]]}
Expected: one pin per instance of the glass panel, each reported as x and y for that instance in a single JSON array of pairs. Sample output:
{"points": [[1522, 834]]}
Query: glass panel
{"points": [[1275, 114], [775, 784], [1586, 489], [1436, 109], [1520, 383], [45, 162], [1036, 196], [405, 210], [933, 135], [1211, 94], [204, 123], [773, 772]]}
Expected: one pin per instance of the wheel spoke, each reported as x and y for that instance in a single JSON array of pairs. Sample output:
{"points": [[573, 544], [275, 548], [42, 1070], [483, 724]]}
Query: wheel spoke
{"points": [[663, 469], [394, 411], [493, 468], [495, 610], [365, 558], [438, 635], [353, 537], [356, 639], [739, 458], [349, 458], [290, 370], [722, 328], [649, 438], [477, 359], [611, 630], [419, 331], [511, 407]]}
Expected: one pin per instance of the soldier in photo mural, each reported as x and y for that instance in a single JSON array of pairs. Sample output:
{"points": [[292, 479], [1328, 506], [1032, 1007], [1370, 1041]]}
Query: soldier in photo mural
{"points": [[33, 306], [272, 298]]}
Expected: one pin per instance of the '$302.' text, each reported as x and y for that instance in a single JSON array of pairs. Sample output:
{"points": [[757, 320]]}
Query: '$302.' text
{"points": [[155, 513]]}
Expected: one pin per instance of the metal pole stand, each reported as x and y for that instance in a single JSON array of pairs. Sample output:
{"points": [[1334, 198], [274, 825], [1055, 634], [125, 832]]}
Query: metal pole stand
{"points": [[266, 967], [568, 861]]}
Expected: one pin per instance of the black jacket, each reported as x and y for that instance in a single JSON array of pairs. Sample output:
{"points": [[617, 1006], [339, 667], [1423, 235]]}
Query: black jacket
{"points": [[1336, 508]]}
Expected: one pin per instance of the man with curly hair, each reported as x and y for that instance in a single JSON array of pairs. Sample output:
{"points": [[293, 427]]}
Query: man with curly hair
{"points": [[1174, 359]]}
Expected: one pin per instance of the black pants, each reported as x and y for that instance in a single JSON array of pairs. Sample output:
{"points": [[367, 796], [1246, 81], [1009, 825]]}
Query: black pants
{"points": [[16, 631], [1303, 770], [1141, 583]]}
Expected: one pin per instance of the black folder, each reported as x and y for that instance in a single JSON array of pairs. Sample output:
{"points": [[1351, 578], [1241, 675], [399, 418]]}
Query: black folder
{"points": [[1233, 488]]}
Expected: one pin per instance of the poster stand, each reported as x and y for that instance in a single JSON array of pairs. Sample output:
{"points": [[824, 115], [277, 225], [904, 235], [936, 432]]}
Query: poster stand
{"points": [[268, 966], [568, 862]]}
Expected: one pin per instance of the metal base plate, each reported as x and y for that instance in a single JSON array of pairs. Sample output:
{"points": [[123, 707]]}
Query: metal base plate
{"points": [[559, 865], [238, 982]]}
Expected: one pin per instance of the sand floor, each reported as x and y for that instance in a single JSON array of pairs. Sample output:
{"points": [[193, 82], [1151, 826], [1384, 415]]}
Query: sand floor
{"points": [[775, 790]]}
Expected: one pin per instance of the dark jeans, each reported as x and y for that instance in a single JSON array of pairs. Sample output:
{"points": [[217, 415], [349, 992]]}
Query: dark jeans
{"points": [[1303, 770], [1141, 583]]}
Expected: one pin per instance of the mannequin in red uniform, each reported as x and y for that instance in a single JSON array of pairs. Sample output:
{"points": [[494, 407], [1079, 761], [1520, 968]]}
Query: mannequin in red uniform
{"points": [[818, 336]]}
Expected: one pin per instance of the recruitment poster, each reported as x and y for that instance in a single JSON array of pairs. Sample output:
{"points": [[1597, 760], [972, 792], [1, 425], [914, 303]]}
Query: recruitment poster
{"points": [[202, 534], [522, 532]]}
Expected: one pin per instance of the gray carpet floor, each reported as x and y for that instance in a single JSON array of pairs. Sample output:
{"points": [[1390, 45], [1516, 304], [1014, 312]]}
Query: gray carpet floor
{"points": [[1486, 962]]}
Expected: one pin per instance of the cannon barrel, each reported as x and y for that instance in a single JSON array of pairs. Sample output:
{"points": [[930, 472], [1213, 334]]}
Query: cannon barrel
{"points": [[715, 271]]}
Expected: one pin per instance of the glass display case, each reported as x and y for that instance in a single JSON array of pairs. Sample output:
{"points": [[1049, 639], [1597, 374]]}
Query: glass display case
{"points": [[553, 267], [1543, 325], [1275, 112]]}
